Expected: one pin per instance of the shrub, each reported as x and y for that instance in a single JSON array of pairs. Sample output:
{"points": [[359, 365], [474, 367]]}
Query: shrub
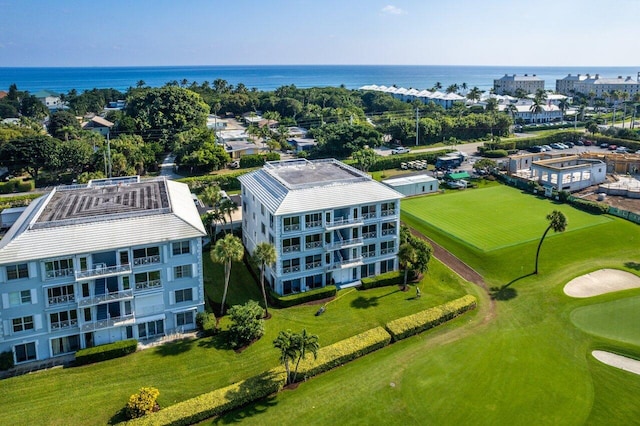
{"points": [[142, 403], [216, 402], [247, 324], [26, 186], [105, 352], [257, 160], [343, 351], [589, 206], [299, 298], [9, 187], [227, 181], [6, 360], [382, 280], [207, 323], [495, 153], [404, 327]]}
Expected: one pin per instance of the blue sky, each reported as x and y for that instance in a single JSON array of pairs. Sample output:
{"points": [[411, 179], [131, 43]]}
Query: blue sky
{"points": [[252, 32]]}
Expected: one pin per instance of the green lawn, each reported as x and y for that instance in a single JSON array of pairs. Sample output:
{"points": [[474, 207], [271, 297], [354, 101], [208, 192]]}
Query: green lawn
{"points": [[189, 368], [512, 217], [529, 365], [617, 320]]}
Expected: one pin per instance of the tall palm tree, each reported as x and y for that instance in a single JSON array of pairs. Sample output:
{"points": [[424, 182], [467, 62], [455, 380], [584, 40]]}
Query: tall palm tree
{"points": [[564, 105], [453, 88], [407, 256], [264, 254], [210, 196], [512, 110], [228, 207], [474, 94], [227, 250], [306, 343], [624, 96], [557, 222], [286, 342], [464, 87]]}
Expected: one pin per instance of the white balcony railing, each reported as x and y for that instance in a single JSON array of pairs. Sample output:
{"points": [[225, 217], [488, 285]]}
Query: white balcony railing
{"points": [[108, 323], [291, 249], [289, 228], [148, 285], [388, 232], [368, 254], [147, 260], [312, 245], [389, 212], [291, 269], [345, 263], [369, 215], [102, 271], [389, 250], [313, 265], [343, 221], [106, 298], [64, 324], [369, 235], [313, 224], [59, 273], [61, 300], [344, 243]]}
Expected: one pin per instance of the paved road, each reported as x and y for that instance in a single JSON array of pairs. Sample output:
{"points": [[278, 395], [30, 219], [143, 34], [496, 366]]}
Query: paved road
{"points": [[167, 167]]}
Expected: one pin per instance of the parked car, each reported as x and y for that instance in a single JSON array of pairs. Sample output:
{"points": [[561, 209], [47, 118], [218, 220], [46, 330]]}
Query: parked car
{"points": [[612, 147], [587, 142], [400, 150], [580, 143], [556, 146], [622, 150], [535, 149], [569, 144], [547, 148], [604, 145]]}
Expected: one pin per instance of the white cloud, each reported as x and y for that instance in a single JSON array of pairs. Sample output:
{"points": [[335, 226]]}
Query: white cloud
{"points": [[392, 10]]}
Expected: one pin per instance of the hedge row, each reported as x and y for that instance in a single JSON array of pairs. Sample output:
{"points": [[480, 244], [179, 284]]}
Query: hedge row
{"points": [[382, 280], [16, 185], [342, 352], [227, 181], [589, 206], [216, 402], [631, 144], [495, 153], [568, 135], [299, 298], [404, 327], [257, 160], [394, 161], [105, 352]]}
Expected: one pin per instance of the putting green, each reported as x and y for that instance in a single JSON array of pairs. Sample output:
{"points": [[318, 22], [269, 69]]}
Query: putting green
{"points": [[495, 217], [616, 320]]}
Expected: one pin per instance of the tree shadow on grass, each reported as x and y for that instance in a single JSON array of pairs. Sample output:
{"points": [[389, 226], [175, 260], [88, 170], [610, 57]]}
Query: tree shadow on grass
{"points": [[251, 410], [175, 348], [219, 341], [506, 292], [365, 302], [633, 265], [119, 417]]}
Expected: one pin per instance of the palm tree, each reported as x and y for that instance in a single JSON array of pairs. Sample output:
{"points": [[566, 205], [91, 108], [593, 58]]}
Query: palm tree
{"points": [[210, 196], [536, 108], [407, 256], [140, 84], [557, 222], [226, 251], [474, 94], [438, 85], [264, 254], [305, 343], [453, 88], [624, 96], [286, 342], [563, 105], [228, 207], [512, 110], [464, 87]]}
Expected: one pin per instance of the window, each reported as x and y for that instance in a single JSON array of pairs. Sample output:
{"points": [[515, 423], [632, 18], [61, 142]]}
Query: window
{"points": [[311, 262], [314, 281], [151, 329], [291, 223], [291, 286], [181, 247], [15, 272], [387, 266], [182, 271], [271, 239], [147, 255], [65, 345], [60, 294], [184, 295], [63, 319], [368, 212], [389, 228], [263, 228], [290, 245], [387, 247], [184, 318], [369, 251], [313, 220], [369, 231], [22, 324], [262, 209], [388, 209], [290, 265], [270, 221], [58, 268], [367, 270], [312, 241], [147, 280], [17, 298], [25, 352]]}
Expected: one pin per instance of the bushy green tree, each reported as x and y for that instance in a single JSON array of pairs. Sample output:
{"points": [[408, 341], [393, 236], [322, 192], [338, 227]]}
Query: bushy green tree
{"points": [[247, 323], [142, 403]]}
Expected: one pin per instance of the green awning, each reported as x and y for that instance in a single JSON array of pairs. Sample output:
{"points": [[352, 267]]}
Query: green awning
{"points": [[459, 175]]}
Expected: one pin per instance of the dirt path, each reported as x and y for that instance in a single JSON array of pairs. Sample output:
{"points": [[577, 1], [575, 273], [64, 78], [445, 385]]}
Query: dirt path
{"points": [[460, 268]]}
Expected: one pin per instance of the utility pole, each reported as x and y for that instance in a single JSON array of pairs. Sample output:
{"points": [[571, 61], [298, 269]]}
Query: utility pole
{"points": [[109, 155], [417, 126]]}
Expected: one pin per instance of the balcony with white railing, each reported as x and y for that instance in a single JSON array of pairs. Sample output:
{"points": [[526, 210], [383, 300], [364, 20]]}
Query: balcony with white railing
{"points": [[313, 245], [59, 273], [388, 212], [60, 325], [343, 222], [291, 269], [291, 228], [291, 249], [389, 250], [147, 260], [372, 215], [313, 265], [344, 244], [368, 254], [313, 224], [386, 232], [346, 263], [148, 285], [105, 298], [61, 300], [369, 235], [102, 271], [109, 323]]}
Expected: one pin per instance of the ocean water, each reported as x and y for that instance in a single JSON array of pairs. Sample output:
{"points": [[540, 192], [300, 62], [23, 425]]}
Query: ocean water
{"points": [[270, 77]]}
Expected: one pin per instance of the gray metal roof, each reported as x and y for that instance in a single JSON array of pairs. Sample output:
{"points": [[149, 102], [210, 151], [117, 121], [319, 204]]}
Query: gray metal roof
{"points": [[295, 187], [29, 240]]}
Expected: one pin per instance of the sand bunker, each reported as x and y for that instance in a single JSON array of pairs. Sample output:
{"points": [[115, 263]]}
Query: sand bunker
{"points": [[618, 361], [601, 282]]}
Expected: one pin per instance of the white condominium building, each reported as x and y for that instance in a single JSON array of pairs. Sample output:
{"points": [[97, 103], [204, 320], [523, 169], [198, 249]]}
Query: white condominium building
{"points": [[329, 223], [91, 264], [510, 84]]}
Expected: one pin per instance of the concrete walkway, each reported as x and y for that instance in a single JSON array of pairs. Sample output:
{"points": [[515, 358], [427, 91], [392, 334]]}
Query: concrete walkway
{"points": [[167, 168]]}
